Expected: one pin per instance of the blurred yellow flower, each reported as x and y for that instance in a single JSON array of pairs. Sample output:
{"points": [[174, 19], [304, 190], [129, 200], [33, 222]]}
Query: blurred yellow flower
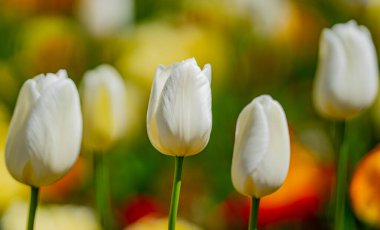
{"points": [[62, 217], [153, 223], [14, 190], [365, 187], [157, 43]]}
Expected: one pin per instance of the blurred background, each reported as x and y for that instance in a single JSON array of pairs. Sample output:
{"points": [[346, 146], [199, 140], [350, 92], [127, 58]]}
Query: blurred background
{"points": [[254, 47]]}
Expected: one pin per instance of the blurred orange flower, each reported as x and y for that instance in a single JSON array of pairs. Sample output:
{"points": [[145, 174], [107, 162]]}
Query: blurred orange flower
{"points": [[365, 189], [304, 192]]}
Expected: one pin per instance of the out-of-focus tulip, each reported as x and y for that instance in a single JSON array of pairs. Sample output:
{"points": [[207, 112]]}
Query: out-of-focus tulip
{"points": [[365, 187], [347, 78], [268, 16], [104, 107], [106, 17], [45, 132], [179, 116], [160, 224], [61, 217], [261, 155]]}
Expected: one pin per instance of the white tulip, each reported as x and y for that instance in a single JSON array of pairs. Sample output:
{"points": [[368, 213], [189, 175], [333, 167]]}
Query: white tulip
{"points": [[45, 132], [347, 76], [104, 107], [261, 155], [179, 117]]}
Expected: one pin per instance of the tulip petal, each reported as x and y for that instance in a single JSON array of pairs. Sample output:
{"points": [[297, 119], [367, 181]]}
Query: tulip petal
{"points": [[251, 143], [159, 81], [361, 61], [331, 63], [54, 132], [207, 72], [184, 112], [15, 147]]}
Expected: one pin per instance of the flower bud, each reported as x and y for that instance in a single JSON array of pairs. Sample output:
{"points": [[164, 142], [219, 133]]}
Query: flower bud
{"points": [[179, 115], [45, 132], [347, 76], [261, 155]]}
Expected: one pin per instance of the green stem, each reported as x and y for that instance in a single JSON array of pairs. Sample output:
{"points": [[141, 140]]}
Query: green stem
{"points": [[175, 193], [254, 213], [341, 177], [32, 207], [101, 190]]}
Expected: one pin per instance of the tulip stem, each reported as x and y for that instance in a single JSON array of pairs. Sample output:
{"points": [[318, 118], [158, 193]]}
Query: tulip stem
{"points": [[101, 190], [32, 207], [255, 203], [341, 178], [175, 192]]}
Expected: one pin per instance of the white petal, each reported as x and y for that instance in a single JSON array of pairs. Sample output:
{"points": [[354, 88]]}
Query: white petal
{"points": [[184, 113], [159, 81], [251, 142], [361, 76], [207, 72], [16, 148], [54, 132], [272, 171], [331, 68]]}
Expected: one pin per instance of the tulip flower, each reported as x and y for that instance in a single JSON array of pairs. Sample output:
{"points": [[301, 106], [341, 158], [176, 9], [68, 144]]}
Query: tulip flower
{"points": [[347, 78], [179, 116], [104, 119], [261, 155], [45, 132], [104, 107], [346, 84]]}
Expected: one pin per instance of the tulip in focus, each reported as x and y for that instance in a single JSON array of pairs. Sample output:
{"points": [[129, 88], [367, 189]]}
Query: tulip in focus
{"points": [[347, 76], [261, 156], [104, 107], [179, 116], [45, 132]]}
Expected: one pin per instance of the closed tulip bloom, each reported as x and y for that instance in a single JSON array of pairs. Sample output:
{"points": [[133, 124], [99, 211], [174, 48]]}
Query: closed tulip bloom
{"points": [[104, 107], [347, 78], [262, 148], [179, 115], [45, 132]]}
